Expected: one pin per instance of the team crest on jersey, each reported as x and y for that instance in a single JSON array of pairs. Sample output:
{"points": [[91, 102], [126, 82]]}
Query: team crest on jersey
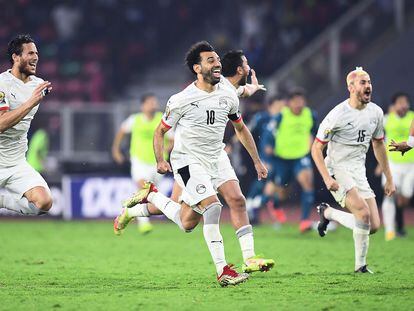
{"points": [[2, 97], [167, 112], [222, 102], [326, 133], [201, 189]]}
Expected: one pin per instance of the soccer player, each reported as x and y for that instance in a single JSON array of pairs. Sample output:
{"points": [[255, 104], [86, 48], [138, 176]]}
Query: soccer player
{"points": [[199, 115], [20, 94], [348, 130], [289, 144], [259, 125], [397, 126], [236, 71], [141, 126]]}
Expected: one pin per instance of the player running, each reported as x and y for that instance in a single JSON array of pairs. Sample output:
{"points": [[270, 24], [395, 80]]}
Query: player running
{"points": [[199, 115], [20, 94], [236, 70], [348, 130]]}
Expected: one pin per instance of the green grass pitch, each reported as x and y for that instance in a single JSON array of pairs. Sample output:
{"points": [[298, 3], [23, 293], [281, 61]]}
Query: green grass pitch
{"points": [[83, 266]]}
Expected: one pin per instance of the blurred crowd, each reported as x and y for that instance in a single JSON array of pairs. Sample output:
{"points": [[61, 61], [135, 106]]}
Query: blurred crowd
{"points": [[92, 50]]}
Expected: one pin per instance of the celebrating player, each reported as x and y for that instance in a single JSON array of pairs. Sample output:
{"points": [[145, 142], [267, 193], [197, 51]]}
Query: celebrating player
{"points": [[236, 69], [348, 130], [20, 94], [143, 165], [199, 114]]}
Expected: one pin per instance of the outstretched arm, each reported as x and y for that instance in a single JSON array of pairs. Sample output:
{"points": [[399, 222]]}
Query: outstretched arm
{"points": [[381, 156], [246, 138]]}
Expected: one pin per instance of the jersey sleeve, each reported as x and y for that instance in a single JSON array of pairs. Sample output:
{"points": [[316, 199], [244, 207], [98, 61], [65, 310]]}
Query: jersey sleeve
{"points": [[234, 113], [172, 114], [327, 127], [240, 91], [4, 103], [379, 130], [127, 125]]}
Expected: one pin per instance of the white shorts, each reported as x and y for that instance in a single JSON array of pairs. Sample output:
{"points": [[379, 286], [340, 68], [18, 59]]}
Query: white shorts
{"points": [[351, 178], [144, 171], [403, 176], [198, 183], [20, 178]]}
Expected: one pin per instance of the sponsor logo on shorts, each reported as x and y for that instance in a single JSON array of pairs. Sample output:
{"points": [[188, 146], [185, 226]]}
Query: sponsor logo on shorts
{"points": [[201, 188]]}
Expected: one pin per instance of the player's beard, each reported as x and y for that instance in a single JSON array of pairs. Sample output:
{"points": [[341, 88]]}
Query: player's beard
{"points": [[209, 77], [363, 98], [243, 80], [26, 69]]}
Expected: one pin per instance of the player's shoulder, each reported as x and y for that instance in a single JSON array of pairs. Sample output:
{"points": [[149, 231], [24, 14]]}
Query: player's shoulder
{"points": [[178, 99], [36, 79], [374, 107], [5, 77]]}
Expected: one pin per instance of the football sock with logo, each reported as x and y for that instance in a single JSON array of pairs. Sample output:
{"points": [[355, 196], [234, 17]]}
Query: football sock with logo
{"points": [[213, 236], [167, 206], [344, 218]]}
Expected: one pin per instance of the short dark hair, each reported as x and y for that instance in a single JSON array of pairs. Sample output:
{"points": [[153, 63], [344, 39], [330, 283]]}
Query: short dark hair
{"points": [[230, 61], [276, 97], [297, 91], [192, 56], [397, 95], [145, 96], [16, 45]]}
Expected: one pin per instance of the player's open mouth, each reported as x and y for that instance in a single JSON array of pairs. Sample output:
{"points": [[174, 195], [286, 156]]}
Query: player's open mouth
{"points": [[217, 73], [32, 65]]}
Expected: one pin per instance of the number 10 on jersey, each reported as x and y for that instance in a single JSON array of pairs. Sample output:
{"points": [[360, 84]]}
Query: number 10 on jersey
{"points": [[211, 114]]}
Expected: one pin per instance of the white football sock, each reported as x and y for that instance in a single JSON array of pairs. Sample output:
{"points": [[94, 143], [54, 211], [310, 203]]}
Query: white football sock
{"points": [[361, 241], [388, 214], [143, 220], [213, 236], [167, 206], [344, 218], [139, 210], [246, 240], [22, 206]]}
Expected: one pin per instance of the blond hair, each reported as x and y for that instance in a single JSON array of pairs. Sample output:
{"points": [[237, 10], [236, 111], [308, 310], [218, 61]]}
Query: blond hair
{"points": [[359, 71]]}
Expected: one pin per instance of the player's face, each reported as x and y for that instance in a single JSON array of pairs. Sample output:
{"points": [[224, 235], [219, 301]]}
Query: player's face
{"points": [[245, 71], [296, 104], [27, 61], [150, 105], [401, 106], [363, 88], [210, 67]]}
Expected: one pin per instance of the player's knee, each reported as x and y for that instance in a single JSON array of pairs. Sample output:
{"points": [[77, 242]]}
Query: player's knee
{"points": [[373, 229], [237, 202], [363, 213], [189, 226], [44, 203]]}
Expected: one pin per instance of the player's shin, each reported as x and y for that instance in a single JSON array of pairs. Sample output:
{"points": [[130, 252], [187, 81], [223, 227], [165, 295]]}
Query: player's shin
{"points": [[344, 218], [361, 241], [167, 206], [22, 206], [245, 236], [213, 236]]}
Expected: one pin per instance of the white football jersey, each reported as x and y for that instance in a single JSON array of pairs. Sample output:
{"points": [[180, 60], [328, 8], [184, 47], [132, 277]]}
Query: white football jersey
{"points": [[13, 93], [199, 119], [348, 132]]}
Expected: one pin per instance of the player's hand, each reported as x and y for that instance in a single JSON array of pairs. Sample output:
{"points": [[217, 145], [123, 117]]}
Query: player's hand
{"points": [[39, 92], [378, 170], [261, 170], [331, 184], [402, 147], [118, 156], [255, 82], [389, 188], [163, 167]]}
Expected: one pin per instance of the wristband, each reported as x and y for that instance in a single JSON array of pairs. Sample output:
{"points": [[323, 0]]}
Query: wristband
{"points": [[410, 141]]}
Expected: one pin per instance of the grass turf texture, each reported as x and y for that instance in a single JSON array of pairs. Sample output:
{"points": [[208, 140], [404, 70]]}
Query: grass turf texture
{"points": [[83, 266]]}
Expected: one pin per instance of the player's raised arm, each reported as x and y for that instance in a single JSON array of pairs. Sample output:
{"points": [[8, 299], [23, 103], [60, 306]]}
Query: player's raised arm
{"points": [[9, 118], [254, 86], [246, 138]]}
